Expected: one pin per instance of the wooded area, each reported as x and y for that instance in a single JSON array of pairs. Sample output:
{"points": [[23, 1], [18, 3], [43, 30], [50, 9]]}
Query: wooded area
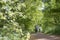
{"points": [[19, 17]]}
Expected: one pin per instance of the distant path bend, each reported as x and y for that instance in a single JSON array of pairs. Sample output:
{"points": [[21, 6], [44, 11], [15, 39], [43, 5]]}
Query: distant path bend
{"points": [[41, 36]]}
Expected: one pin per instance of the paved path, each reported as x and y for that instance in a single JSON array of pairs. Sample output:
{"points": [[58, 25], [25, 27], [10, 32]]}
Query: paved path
{"points": [[41, 36]]}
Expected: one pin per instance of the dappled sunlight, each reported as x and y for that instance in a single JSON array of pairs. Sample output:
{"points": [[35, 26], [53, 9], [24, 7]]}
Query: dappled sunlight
{"points": [[42, 39]]}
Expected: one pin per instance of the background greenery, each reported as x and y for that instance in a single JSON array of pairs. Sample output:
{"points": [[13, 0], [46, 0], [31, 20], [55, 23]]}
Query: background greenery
{"points": [[51, 19]]}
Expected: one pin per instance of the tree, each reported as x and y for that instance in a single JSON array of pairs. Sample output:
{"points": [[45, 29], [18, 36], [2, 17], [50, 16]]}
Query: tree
{"points": [[18, 17], [51, 18]]}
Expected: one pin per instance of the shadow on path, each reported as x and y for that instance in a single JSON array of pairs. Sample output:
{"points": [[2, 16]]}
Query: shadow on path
{"points": [[41, 36]]}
